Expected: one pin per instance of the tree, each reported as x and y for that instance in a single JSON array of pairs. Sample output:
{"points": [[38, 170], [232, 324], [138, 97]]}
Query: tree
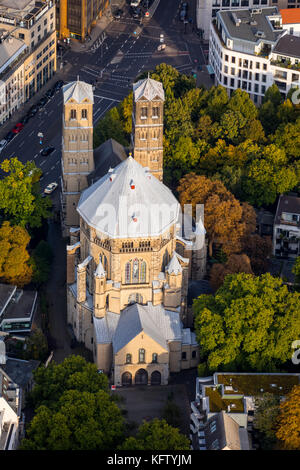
{"points": [[235, 264], [36, 346], [74, 373], [41, 262], [289, 420], [223, 214], [250, 323], [259, 250], [156, 435], [81, 421], [265, 418], [21, 201], [296, 270], [14, 257], [110, 127]]}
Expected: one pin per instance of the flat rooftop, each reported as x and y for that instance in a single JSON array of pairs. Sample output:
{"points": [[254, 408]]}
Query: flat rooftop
{"points": [[21, 307], [288, 45], [6, 291], [10, 49], [247, 25], [16, 4]]}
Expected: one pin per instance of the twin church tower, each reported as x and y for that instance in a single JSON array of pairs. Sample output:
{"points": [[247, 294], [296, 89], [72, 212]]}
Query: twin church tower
{"points": [[77, 141]]}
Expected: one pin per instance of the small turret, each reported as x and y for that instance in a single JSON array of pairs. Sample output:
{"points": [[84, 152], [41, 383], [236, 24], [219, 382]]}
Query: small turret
{"points": [[100, 291]]}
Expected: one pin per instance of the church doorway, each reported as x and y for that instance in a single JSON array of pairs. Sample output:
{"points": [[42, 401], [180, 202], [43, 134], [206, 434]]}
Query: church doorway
{"points": [[156, 378], [126, 379], [141, 377]]}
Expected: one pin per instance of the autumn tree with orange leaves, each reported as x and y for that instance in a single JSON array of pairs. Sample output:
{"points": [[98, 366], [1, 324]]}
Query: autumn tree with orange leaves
{"points": [[288, 431], [235, 264], [14, 257], [226, 220]]}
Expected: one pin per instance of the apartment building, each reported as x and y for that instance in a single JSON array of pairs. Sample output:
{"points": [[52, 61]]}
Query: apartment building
{"points": [[286, 232], [75, 18], [27, 51], [207, 9], [291, 20], [249, 49], [222, 412]]}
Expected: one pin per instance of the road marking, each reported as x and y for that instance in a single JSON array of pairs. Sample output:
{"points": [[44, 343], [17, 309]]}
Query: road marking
{"points": [[31, 133], [11, 155], [21, 144], [35, 156], [49, 114], [105, 98], [41, 178], [43, 162]]}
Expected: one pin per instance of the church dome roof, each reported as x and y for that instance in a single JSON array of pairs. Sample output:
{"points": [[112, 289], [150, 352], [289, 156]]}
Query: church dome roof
{"points": [[129, 202]]}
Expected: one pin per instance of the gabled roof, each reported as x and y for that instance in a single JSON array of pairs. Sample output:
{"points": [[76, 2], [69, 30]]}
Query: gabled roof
{"points": [[78, 91], [149, 89], [174, 266], [107, 155], [134, 320], [288, 45]]}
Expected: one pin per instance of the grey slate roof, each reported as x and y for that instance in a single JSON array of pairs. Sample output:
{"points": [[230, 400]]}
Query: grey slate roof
{"points": [[289, 204], [174, 266], [107, 155], [6, 291], [148, 89], [129, 202], [78, 91], [247, 31], [19, 371], [288, 45]]}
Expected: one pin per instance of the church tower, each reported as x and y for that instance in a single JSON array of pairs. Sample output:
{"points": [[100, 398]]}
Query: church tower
{"points": [[147, 125], [77, 148]]}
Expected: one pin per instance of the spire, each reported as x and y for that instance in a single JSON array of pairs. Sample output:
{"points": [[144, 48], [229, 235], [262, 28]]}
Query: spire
{"points": [[100, 270], [174, 266]]}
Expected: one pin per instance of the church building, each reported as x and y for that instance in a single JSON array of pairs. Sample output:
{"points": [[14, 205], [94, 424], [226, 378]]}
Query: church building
{"points": [[128, 262]]}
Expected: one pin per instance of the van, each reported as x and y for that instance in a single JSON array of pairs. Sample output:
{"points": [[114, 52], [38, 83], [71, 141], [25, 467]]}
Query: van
{"points": [[135, 3]]}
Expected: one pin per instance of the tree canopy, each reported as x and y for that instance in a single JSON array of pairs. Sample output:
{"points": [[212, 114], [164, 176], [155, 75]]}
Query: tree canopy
{"points": [[156, 435], [265, 418], [289, 420], [21, 201], [249, 324]]}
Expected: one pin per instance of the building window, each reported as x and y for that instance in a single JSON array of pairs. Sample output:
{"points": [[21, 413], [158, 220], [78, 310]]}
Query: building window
{"points": [[154, 358], [233, 60], [183, 356], [142, 355], [257, 65], [143, 272], [127, 273], [135, 271], [194, 354], [144, 113], [265, 66], [128, 358], [155, 113], [21, 36], [84, 114], [73, 114]]}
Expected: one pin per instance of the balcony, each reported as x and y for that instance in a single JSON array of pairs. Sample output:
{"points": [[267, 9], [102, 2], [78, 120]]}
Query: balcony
{"points": [[286, 64]]}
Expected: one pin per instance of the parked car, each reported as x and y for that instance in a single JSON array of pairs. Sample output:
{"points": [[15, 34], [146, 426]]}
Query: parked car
{"points": [[137, 12], [42, 102], [50, 188], [182, 15], [50, 93], [25, 119], [18, 127], [9, 136], [118, 13], [3, 142], [47, 151], [33, 110], [185, 6], [58, 85]]}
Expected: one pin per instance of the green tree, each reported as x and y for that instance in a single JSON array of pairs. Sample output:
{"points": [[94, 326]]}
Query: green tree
{"points": [[110, 127], [296, 270], [265, 418], [14, 257], [81, 421], [250, 323], [36, 346], [74, 373], [21, 201], [156, 435]]}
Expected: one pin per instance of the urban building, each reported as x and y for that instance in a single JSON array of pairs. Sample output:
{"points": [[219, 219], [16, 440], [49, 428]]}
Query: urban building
{"points": [[206, 10], [286, 234], [222, 412], [17, 309], [75, 18], [291, 20], [16, 379], [27, 51], [250, 50], [128, 271]]}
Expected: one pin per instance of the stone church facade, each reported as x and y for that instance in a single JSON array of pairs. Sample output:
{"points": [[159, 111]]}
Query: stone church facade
{"points": [[128, 264]]}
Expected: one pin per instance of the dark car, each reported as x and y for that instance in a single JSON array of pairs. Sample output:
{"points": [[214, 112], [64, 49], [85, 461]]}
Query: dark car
{"points": [[182, 15], [185, 6], [118, 13], [42, 102], [9, 136], [58, 85], [25, 119], [137, 13], [50, 93], [47, 151], [33, 110]]}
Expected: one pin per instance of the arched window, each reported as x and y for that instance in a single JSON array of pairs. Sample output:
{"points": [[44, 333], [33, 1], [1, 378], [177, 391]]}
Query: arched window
{"points": [[128, 358], [135, 271], [143, 272], [127, 273], [103, 260], [154, 357], [142, 355], [73, 114]]}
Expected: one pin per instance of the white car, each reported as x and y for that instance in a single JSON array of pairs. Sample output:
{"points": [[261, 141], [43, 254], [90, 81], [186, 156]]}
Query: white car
{"points": [[2, 144], [50, 188]]}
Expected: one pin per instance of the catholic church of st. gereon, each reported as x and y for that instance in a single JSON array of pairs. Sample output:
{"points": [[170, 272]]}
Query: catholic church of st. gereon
{"points": [[128, 262]]}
